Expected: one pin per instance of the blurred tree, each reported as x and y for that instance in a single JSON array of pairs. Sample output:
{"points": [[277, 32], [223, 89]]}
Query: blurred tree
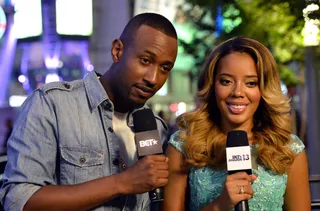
{"points": [[276, 23], [194, 26]]}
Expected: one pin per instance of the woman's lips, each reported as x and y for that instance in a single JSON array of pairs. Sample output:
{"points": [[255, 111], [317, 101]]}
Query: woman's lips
{"points": [[236, 108]]}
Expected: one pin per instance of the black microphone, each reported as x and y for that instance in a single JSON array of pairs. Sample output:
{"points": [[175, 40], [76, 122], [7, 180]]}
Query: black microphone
{"points": [[148, 142], [238, 158]]}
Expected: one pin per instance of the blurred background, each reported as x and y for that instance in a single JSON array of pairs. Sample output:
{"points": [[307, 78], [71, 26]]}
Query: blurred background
{"points": [[52, 40]]}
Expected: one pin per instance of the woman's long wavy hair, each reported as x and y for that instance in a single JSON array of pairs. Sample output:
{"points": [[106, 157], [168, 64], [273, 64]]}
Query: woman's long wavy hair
{"points": [[201, 129]]}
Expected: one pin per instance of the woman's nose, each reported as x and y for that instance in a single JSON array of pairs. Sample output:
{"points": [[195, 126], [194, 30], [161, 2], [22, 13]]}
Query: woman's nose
{"points": [[238, 90]]}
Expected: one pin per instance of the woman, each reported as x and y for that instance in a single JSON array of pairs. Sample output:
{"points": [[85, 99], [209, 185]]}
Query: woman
{"points": [[240, 91]]}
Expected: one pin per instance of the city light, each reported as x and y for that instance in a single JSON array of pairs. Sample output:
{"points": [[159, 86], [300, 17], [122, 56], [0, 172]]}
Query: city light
{"points": [[22, 79], [51, 63], [79, 23], [27, 18], [90, 67], [3, 22], [52, 77], [16, 100], [310, 31]]}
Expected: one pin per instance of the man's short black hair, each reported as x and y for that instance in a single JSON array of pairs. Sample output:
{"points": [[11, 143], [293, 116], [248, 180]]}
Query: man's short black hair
{"points": [[153, 20]]}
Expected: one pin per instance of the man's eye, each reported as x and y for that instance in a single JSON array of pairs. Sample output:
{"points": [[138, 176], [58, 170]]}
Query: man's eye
{"points": [[145, 61], [165, 68]]}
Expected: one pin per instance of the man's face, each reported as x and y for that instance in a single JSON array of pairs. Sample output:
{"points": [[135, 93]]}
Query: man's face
{"points": [[144, 65]]}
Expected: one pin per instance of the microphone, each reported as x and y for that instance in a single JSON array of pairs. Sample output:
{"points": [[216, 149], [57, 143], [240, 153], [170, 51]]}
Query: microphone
{"points": [[148, 142], [238, 158]]}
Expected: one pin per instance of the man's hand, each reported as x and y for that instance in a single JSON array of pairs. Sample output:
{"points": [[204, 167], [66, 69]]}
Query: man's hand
{"points": [[145, 175]]}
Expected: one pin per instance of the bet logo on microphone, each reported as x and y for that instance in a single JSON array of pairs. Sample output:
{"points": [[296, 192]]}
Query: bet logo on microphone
{"points": [[148, 143]]}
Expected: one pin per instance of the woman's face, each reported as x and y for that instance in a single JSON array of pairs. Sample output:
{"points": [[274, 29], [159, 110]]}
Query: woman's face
{"points": [[237, 91]]}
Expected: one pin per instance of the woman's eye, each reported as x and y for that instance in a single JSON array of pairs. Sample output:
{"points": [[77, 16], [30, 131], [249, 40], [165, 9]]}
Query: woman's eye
{"points": [[252, 84], [225, 81]]}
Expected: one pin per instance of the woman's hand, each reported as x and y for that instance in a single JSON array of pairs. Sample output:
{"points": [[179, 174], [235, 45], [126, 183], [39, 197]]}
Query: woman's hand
{"points": [[237, 188]]}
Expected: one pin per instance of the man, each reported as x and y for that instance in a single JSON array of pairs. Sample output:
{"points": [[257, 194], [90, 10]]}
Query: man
{"points": [[64, 152]]}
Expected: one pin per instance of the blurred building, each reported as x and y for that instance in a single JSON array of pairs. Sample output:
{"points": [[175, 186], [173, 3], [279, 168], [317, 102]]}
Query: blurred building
{"points": [[53, 40]]}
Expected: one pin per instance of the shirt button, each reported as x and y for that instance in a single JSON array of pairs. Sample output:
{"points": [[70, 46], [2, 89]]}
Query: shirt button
{"points": [[124, 166], [67, 86], [115, 162], [110, 129], [82, 159], [107, 106]]}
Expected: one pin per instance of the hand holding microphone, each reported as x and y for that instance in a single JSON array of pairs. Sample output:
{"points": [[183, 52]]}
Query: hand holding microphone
{"points": [[238, 190], [150, 173], [147, 174]]}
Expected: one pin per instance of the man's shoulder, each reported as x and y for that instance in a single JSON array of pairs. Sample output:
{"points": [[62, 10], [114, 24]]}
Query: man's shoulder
{"points": [[61, 86], [159, 119]]}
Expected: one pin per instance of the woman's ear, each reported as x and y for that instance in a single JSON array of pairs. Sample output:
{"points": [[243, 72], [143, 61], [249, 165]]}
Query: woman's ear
{"points": [[117, 49]]}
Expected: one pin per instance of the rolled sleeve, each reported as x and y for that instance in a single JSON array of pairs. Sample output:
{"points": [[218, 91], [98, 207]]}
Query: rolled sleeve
{"points": [[32, 152], [18, 196]]}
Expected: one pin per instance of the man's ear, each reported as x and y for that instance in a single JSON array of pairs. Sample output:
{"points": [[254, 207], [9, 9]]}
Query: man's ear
{"points": [[117, 50]]}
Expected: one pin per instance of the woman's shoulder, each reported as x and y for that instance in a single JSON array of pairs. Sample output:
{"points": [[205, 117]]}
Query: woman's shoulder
{"points": [[176, 141], [296, 144]]}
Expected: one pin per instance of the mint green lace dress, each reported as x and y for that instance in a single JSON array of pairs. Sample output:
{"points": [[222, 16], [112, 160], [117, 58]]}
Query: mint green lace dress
{"points": [[206, 184]]}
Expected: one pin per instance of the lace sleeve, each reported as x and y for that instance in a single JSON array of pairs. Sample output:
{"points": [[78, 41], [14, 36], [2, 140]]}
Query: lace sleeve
{"points": [[177, 142], [296, 144]]}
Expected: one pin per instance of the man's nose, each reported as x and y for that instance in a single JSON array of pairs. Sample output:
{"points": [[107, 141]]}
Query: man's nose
{"points": [[151, 76]]}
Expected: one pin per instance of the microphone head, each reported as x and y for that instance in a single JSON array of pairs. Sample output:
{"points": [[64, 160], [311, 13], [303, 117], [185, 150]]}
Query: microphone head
{"points": [[238, 152], [237, 138], [146, 133], [148, 143], [144, 120], [238, 156]]}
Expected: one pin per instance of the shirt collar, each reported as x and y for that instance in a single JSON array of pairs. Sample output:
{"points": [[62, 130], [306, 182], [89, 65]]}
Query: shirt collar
{"points": [[97, 95], [130, 117], [95, 91]]}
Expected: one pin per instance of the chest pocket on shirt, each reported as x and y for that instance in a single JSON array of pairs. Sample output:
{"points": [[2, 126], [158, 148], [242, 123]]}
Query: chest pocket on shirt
{"points": [[80, 164]]}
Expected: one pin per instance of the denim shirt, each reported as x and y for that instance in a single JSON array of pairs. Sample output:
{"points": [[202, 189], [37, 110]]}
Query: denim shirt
{"points": [[63, 136]]}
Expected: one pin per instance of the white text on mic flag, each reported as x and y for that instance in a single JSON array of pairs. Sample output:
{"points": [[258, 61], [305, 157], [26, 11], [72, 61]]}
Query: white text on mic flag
{"points": [[238, 158]]}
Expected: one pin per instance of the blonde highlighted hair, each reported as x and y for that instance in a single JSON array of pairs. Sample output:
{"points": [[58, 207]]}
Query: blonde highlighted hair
{"points": [[205, 140]]}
